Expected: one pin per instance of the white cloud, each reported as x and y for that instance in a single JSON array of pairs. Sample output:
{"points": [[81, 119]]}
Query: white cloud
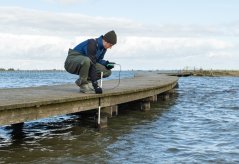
{"points": [[66, 2], [32, 39], [173, 52], [168, 46], [31, 46], [25, 21]]}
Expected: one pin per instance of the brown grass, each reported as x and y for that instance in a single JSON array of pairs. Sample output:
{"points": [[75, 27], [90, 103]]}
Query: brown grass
{"points": [[215, 73]]}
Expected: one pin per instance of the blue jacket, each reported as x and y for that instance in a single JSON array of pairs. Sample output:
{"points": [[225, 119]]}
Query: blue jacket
{"points": [[95, 51]]}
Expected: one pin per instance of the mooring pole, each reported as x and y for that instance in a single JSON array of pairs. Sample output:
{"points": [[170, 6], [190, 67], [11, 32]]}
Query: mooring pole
{"points": [[101, 84], [99, 113], [101, 81]]}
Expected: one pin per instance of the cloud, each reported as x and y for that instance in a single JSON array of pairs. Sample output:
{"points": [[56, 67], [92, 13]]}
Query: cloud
{"points": [[66, 2], [26, 21], [27, 51], [169, 46], [173, 52], [31, 46], [19, 20], [49, 52], [32, 39]]}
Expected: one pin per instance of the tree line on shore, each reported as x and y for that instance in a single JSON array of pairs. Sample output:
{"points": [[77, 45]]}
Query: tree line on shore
{"points": [[9, 69], [200, 72], [12, 69]]}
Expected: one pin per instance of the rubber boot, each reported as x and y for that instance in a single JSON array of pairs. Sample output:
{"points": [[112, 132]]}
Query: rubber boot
{"points": [[85, 88]]}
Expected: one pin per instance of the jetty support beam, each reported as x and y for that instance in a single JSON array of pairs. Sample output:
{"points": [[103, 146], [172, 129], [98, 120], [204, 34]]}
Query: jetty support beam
{"points": [[111, 110]]}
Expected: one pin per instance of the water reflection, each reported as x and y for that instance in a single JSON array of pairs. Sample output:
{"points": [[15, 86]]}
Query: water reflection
{"points": [[198, 125], [17, 133], [73, 138]]}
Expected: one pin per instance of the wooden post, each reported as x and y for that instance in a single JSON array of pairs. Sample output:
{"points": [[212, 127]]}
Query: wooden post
{"points": [[145, 103], [163, 96], [145, 106], [153, 98], [103, 122], [111, 110]]}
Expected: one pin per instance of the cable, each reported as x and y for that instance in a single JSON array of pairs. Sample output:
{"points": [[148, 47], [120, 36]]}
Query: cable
{"points": [[118, 79], [99, 108]]}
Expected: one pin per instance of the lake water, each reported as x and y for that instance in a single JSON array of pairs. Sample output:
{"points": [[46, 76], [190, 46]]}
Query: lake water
{"points": [[20, 79], [199, 124]]}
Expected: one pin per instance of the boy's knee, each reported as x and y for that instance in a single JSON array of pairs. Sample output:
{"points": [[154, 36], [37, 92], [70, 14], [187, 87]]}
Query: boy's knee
{"points": [[85, 61], [107, 73]]}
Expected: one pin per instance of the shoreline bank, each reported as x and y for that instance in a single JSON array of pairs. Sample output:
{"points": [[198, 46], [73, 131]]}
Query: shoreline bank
{"points": [[201, 72], [215, 73]]}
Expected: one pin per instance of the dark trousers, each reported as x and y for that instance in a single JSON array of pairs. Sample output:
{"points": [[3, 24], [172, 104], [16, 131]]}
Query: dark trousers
{"points": [[79, 65]]}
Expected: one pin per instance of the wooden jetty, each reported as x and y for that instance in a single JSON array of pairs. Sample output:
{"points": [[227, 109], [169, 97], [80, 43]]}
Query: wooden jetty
{"points": [[25, 104], [178, 73]]}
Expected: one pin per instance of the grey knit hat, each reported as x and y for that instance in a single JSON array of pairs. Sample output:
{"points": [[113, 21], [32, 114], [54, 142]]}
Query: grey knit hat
{"points": [[110, 37]]}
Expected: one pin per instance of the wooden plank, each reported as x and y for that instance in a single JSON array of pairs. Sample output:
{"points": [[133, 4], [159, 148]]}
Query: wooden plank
{"points": [[25, 104]]}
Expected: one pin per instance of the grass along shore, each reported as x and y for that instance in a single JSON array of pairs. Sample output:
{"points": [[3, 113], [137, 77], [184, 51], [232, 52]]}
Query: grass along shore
{"points": [[199, 72], [234, 73]]}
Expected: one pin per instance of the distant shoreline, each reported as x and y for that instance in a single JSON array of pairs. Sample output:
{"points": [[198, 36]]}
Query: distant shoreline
{"points": [[15, 70], [201, 72], [208, 73], [213, 73]]}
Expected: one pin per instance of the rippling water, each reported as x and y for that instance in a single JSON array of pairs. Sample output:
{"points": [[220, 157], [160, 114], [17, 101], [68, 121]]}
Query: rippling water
{"points": [[199, 124], [20, 79]]}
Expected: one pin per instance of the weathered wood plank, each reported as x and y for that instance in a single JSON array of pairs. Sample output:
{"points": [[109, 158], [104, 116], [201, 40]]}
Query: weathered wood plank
{"points": [[25, 104]]}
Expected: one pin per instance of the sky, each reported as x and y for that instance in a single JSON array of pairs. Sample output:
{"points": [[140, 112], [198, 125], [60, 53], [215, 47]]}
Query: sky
{"points": [[152, 34]]}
